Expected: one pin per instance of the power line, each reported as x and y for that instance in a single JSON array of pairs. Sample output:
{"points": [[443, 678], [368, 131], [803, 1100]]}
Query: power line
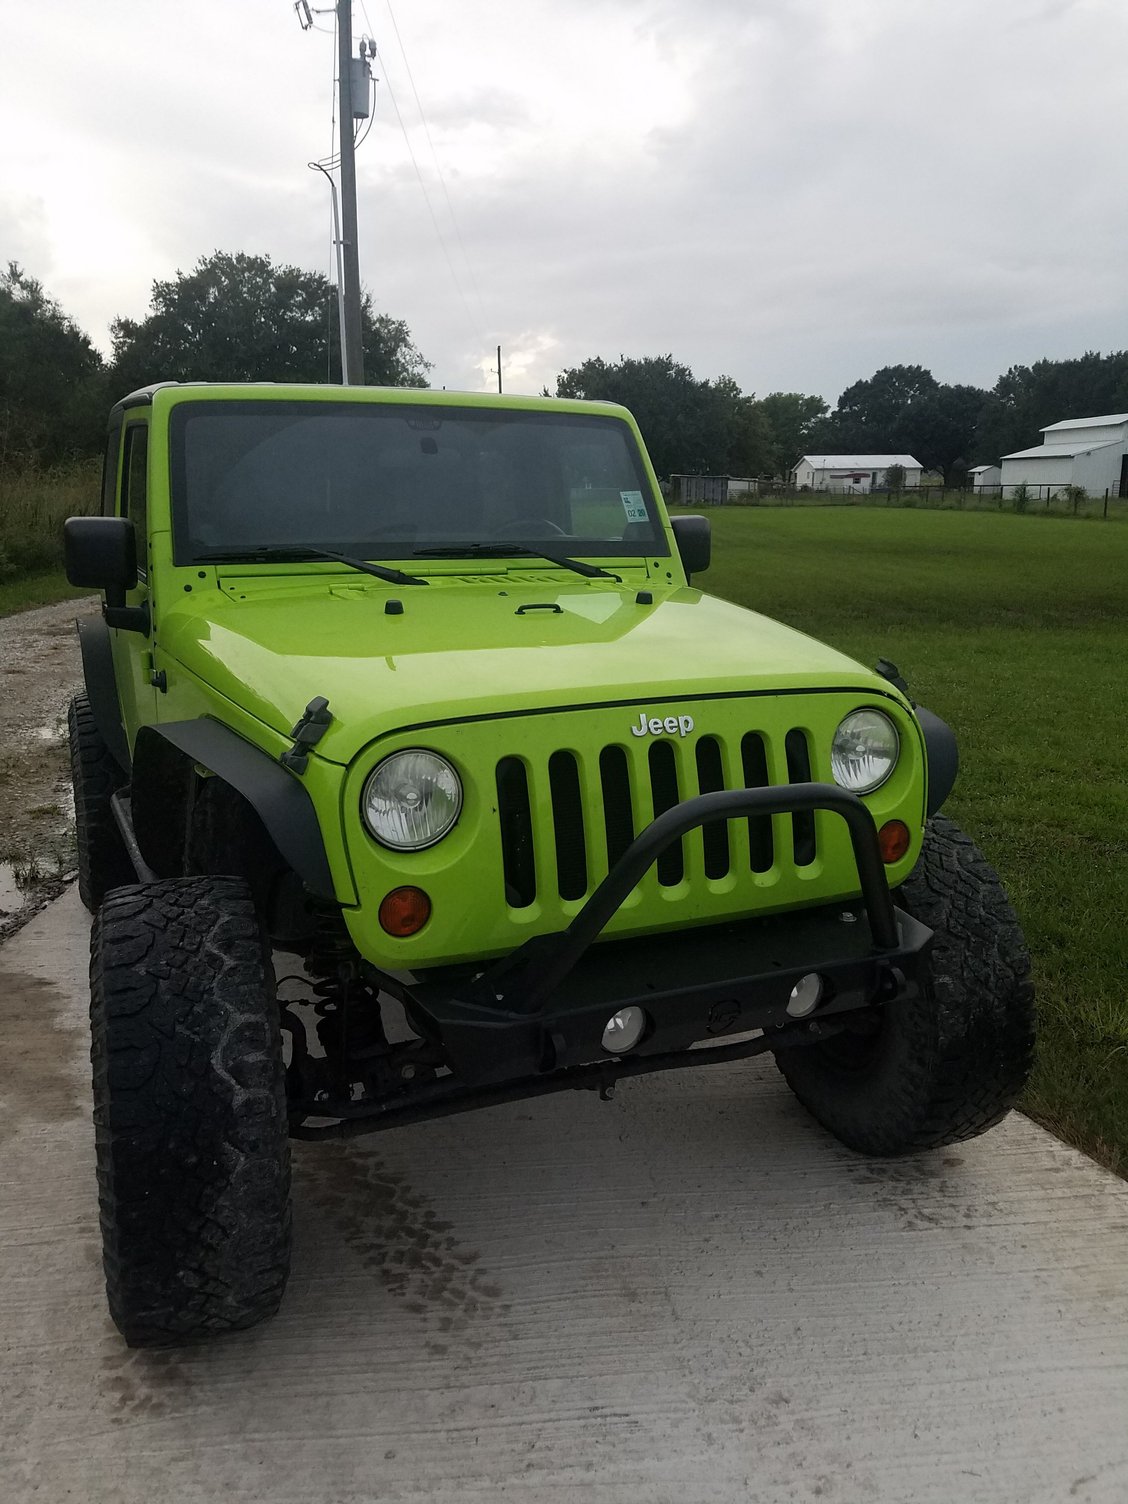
{"points": [[435, 160], [475, 321]]}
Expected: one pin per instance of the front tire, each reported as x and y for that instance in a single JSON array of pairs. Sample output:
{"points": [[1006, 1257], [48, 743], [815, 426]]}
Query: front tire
{"points": [[103, 862], [189, 1111], [950, 1063]]}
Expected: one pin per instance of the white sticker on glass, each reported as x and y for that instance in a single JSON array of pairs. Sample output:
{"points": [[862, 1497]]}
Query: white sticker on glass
{"points": [[634, 506]]}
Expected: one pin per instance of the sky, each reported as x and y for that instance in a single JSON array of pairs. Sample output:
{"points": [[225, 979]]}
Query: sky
{"points": [[793, 193]]}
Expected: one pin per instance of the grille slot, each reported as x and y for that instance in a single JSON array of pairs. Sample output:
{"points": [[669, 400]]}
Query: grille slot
{"points": [[615, 781], [711, 780], [664, 792], [802, 821], [568, 824], [754, 761], [516, 819]]}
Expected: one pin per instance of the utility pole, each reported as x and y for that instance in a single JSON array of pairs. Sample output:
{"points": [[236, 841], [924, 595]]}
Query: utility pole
{"points": [[499, 368], [352, 354]]}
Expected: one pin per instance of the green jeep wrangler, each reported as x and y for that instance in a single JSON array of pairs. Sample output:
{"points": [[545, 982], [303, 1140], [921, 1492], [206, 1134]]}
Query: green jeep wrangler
{"points": [[416, 687]]}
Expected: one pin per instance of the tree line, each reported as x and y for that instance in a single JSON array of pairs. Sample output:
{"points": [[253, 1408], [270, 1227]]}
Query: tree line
{"points": [[240, 317], [233, 317], [711, 427]]}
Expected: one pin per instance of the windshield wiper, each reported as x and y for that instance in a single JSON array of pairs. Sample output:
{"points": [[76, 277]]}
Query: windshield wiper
{"points": [[285, 554], [512, 551]]}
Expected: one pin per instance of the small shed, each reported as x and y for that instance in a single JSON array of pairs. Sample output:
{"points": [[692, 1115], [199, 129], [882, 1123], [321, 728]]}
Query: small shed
{"points": [[710, 490], [852, 473], [986, 477]]}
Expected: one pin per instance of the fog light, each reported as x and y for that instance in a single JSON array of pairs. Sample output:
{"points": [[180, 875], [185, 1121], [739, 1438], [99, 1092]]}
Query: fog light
{"points": [[404, 911], [806, 995], [894, 841], [624, 1030]]}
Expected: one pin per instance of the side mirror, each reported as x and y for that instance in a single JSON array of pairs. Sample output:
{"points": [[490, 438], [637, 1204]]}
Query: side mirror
{"points": [[101, 552], [693, 536]]}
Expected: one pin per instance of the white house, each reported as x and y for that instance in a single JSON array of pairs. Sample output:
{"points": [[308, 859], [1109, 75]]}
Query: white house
{"points": [[986, 477], [852, 472], [1088, 452]]}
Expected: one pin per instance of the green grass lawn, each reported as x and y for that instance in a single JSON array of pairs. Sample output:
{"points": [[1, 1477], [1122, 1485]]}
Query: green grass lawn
{"points": [[1015, 630], [25, 591]]}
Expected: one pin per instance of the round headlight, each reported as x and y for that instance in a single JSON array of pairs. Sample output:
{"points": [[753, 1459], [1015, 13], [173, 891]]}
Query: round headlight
{"points": [[864, 751], [411, 800]]}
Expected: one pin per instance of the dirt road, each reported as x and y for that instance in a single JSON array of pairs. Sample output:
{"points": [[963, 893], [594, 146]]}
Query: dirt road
{"points": [[39, 671], [688, 1295]]}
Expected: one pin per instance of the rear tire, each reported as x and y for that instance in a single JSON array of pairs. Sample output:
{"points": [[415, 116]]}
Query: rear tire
{"points": [[103, 862], [949, 1064], [189, 1111]]}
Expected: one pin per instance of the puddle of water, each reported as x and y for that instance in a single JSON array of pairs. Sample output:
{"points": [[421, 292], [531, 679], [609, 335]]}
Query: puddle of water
{"points": [[12, 895]]}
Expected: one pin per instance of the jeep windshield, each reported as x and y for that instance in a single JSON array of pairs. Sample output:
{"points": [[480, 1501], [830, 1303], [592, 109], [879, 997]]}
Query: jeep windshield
{"points": [[406, 481]]}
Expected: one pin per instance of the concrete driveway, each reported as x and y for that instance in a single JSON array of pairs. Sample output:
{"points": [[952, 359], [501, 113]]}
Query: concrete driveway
{"points": [[689, 1294]]}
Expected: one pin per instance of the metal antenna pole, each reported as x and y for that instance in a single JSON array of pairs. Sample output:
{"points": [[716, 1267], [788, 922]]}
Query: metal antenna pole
{"points": [[352, 352]]}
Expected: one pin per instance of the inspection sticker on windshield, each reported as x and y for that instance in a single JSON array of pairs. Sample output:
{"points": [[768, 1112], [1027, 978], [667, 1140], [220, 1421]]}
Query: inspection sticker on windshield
{"points": [[634, 506]]}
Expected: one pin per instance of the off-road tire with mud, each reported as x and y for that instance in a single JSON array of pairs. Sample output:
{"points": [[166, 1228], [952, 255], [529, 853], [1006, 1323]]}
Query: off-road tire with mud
{"points": [[948, 1064], [103, 862], [189, 1111]]}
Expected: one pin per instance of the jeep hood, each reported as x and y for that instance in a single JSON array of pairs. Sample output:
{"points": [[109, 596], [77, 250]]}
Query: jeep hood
{"points": [[474, 648]]}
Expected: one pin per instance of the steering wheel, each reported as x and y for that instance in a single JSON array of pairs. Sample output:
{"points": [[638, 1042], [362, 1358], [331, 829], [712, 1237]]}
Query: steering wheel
{"points": [[528, 527]]}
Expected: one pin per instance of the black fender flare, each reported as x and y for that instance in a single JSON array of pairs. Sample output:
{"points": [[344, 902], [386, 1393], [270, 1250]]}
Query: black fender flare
{"points": [[279, 798], [101, 687], [942, 754]]}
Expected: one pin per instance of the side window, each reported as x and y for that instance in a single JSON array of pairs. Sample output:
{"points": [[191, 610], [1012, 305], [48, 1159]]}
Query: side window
{"points": [[134, 472], [110, 471]]}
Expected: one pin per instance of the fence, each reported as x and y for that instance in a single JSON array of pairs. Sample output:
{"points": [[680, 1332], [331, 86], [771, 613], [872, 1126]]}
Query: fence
{"points": [[1054, 500]]}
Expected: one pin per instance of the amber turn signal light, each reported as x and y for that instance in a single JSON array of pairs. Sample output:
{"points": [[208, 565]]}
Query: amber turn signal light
{"points": [[893, 839], [404, 911]]}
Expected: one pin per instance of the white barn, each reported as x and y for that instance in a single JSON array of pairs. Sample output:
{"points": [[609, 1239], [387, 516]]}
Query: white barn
{"points": [[1088, 452], [852, 473]]}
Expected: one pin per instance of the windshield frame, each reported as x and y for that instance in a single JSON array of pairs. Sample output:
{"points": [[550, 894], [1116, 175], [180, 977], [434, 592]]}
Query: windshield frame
{"points": [[420, 414]]}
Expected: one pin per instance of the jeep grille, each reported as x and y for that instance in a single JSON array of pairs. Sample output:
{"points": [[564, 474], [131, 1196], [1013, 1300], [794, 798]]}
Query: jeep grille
{"points": [[625, 790]]}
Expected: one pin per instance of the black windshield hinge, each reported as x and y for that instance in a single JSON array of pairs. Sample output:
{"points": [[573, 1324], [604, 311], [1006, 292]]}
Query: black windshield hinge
{"points": [[310, 729], [891, 672]]}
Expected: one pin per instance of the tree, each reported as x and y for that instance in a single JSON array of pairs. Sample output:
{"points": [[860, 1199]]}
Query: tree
{"points": [[743, 444], [1027, 398], [904, 409], [895, 478], [690, 426], [869, 414], [792, 418], [940, 430], [241, 318], [52, 382]]}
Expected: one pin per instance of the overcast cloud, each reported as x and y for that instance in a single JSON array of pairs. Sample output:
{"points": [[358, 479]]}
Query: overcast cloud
{"points": [[791, 192]]}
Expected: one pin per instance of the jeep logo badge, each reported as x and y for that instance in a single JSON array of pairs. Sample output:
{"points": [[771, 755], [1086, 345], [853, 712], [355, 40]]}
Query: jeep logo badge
{"points": [[672, 725]]}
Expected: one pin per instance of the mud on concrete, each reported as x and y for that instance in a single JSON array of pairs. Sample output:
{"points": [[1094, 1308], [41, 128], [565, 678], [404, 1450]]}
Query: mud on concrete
{"points": [[40, 668]]}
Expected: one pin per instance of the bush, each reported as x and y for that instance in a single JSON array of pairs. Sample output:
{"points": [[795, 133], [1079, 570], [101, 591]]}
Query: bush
{"points": [[34, 504], [1020, 497]]}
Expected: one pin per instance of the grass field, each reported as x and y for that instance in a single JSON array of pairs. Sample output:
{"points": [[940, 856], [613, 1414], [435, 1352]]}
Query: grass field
{"points": [[1015, 630]]}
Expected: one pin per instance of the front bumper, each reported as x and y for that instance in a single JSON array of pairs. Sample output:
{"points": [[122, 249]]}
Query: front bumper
{"points": [[534, 1021]]}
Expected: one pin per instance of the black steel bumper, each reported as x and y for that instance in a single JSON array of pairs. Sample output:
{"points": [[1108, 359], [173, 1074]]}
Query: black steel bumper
{"points": [[534, 1021]]}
